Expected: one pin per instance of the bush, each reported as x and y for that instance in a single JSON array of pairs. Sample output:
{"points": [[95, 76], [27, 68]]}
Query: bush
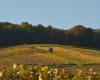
{"points": [[51, 50]]}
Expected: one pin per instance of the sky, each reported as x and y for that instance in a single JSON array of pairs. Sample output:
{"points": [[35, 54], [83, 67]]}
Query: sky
{"points": [[62, 14]]}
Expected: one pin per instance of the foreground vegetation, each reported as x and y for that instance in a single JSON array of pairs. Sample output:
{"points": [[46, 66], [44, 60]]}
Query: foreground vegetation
{"points": [[22, 72]]}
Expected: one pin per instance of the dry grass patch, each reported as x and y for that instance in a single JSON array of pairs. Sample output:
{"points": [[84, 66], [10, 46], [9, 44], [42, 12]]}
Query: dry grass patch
{"points": [[80, 56]]}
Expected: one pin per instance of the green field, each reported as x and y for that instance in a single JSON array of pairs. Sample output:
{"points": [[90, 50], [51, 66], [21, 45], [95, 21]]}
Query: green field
{"points": [[39, 54]]}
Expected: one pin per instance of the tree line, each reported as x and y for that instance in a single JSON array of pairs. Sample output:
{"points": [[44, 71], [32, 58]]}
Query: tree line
{"points": [[25, 33]]}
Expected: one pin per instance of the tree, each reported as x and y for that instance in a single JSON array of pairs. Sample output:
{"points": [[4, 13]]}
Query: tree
{"points": [[82, 36], [96, 38], [26, 26]]}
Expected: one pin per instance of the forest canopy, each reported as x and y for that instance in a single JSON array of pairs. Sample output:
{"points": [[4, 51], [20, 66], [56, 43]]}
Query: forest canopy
{"points": [[25, 33]]}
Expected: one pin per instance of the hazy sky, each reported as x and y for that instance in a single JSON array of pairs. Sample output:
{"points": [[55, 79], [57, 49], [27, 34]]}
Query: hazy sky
{"points": [[59, 13]]}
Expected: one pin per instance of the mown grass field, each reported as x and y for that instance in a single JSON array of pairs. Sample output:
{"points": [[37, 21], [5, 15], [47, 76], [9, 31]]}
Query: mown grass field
{"points": [[39, 54]]}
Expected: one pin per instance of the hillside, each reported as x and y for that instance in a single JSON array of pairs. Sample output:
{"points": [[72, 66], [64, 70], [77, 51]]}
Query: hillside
{"points": [[39, 54]]}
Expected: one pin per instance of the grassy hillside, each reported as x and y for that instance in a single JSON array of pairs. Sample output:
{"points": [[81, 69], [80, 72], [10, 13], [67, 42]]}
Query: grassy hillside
{"points": [[39, 54]]}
